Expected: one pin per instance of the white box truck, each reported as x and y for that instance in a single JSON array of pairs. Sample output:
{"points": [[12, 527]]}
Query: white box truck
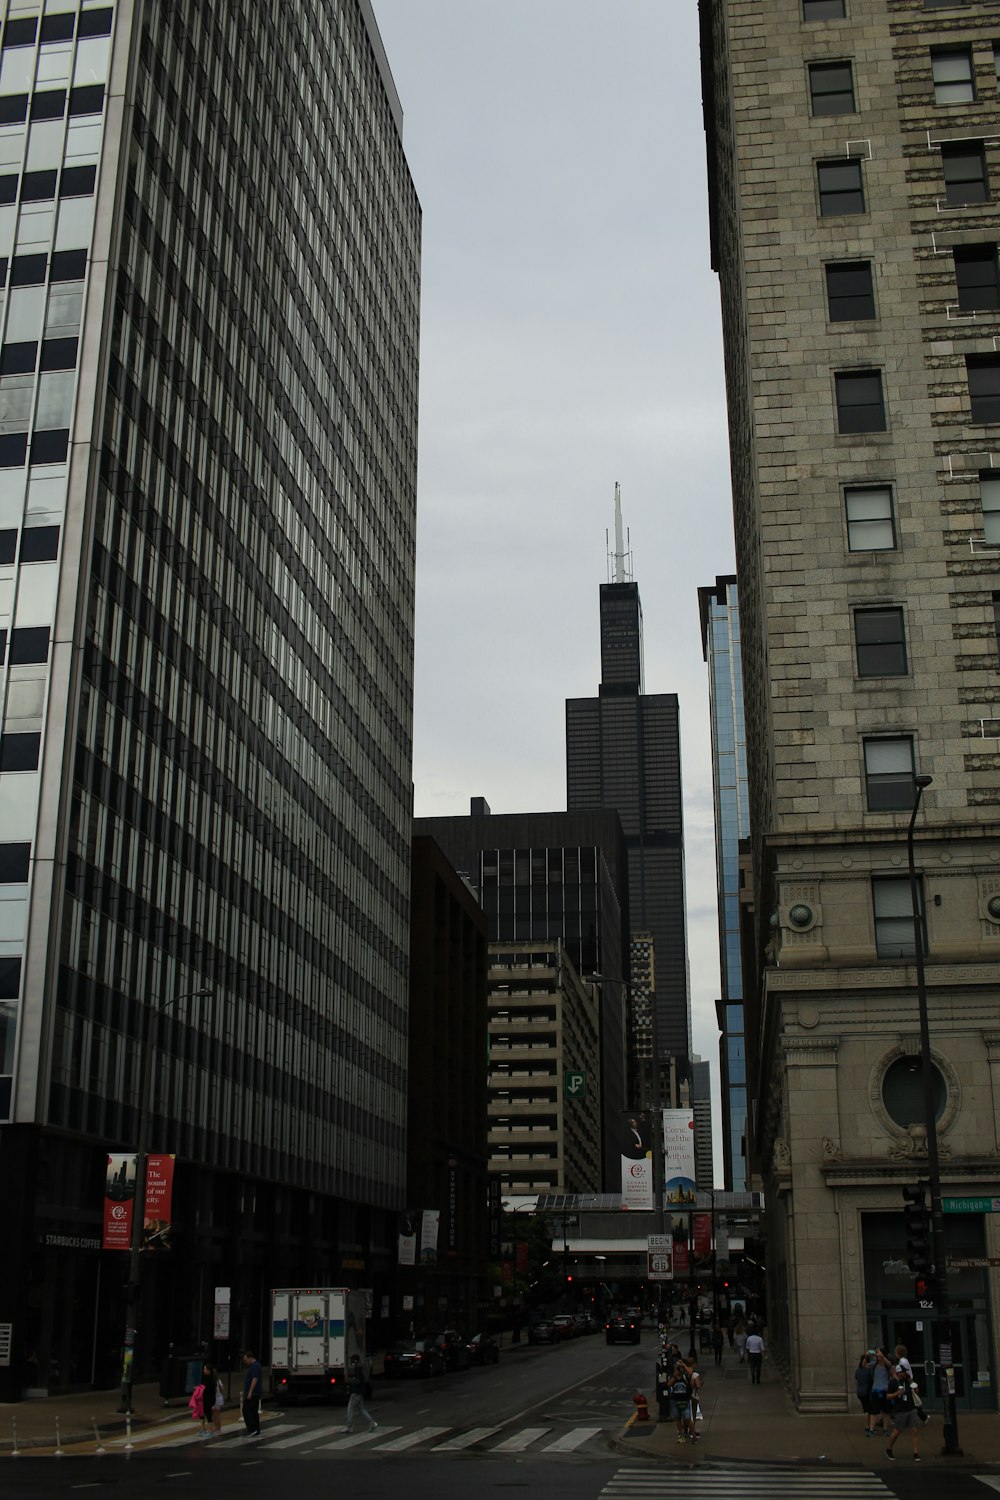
{"points": [[314, 1333]]}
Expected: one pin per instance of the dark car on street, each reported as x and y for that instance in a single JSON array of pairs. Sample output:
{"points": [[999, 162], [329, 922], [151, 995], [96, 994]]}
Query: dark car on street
{"points": [[544, 1332], [585, 1323], [566, 1325], [414, 1357], [622, 1330], [483, 1350], [454, 1350]]}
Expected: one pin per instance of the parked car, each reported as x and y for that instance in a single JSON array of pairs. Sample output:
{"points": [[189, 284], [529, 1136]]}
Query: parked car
{"points": [[544, 1332], [622, 1330], [565, 1325], [483, 1350], [585, 1323], [414, 1357], [454, 1349]]}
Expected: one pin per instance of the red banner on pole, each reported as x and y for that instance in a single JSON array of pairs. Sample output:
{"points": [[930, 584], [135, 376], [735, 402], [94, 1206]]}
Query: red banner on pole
{"points": [[702, 1236], [681, 1259], [119, 1198], [522, 1257], [156, 1221]]}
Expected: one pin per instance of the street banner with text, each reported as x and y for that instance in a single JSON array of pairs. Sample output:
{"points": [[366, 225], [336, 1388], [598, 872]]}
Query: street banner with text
{"points": [[678, 1156], [159, 1194], [702, 1236], [636, 1148], [429, 1222], [119, 1201]]}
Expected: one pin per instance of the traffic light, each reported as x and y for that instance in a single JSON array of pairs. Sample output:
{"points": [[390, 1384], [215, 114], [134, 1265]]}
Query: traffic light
{"points": [[569, 1280], [918, 1228], [925, 1290]]}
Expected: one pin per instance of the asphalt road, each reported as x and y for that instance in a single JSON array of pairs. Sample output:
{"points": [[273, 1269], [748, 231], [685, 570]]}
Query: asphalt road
{"points": [[538, 1423]]}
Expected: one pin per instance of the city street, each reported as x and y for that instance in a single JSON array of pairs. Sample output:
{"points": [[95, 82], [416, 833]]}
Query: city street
{"points": [[541, 1420]]}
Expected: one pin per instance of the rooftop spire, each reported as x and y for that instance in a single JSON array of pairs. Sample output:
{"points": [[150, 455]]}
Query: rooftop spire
{"points": [[620, 560]]}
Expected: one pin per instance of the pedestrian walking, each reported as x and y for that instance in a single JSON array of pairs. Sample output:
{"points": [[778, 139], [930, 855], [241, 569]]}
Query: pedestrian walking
{"points": [[863, 1376], [212, 1400], [356, 1395], [251, 1394], [877, 1407], [740, 1340], [904, 1412], [755, 1354], [718, 1343], [680, 1400]]}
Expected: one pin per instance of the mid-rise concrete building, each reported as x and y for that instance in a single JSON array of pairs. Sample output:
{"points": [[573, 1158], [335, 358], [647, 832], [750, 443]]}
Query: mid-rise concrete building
{"points": [[544, 1073], [853, 155]]}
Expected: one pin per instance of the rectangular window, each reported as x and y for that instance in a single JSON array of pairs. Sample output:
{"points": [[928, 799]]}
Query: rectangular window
{"points": [[984, 386], [14, 861], [841, 189], [976, 277], [870, 526], [952, 75], [850, 294], [10, 978], [29, 646], [860, 406], [823, 10], [894, 926], [8, 546], [880, 642], [889, 773], [989, 490], [39, 544], [831, 89], [965, 179], [19, 752]]}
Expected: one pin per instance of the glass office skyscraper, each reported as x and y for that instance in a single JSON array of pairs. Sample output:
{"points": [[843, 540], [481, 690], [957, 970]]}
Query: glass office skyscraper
{"points": [[208, 421], [720, 636]]}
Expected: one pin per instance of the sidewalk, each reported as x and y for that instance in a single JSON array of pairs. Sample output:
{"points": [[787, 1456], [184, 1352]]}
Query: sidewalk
{"points": [[34, 1422], [744, 1423]]}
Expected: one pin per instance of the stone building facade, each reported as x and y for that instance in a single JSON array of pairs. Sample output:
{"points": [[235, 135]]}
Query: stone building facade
{"points": [[851, 147]]}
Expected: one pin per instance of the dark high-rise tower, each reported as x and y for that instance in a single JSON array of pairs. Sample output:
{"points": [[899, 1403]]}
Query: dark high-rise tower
{"points": [[211, 243], [623, 752]]}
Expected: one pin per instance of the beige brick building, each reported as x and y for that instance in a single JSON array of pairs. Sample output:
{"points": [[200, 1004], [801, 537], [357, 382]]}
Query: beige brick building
{"points": [[854, 167], [545, 1071]]}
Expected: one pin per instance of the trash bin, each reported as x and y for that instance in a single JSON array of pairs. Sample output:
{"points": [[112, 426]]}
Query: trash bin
{"points": [[704, 1339], [179, 1374]]}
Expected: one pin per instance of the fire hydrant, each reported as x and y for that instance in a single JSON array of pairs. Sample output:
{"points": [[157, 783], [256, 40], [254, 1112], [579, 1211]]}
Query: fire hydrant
{"points": [[641, 1408]]}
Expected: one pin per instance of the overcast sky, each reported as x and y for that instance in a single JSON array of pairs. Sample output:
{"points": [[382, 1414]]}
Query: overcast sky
{"points": [[570, 338]]}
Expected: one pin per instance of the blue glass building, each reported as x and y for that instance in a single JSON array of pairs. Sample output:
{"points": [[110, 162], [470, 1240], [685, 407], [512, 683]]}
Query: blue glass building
{"points": [[720, 634]]}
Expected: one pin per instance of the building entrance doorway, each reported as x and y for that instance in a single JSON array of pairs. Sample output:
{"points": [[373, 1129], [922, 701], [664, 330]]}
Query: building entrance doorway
{"points": [[928, 1337]]}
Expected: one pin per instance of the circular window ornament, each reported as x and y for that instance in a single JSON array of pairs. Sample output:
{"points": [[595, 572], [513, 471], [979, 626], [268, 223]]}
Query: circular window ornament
{"points": [[800, 915], [993, 908], [896, 1094]]}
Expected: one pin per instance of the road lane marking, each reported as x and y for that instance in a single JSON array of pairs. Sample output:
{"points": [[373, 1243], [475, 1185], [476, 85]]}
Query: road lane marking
{"points": [[520, 1440], [571, 1440], [357, 1438], [466, 1440], [410, 1439]]}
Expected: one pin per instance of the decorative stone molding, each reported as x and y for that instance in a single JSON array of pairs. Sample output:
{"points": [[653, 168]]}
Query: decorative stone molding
{"points": [[781, 1157], [850, 979], [911, 1140], [831, 1150], [810, 1051], [992, 1041]]}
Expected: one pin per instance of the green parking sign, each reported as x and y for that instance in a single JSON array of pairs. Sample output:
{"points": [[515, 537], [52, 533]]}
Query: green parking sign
{"points": [[575, 1084]]}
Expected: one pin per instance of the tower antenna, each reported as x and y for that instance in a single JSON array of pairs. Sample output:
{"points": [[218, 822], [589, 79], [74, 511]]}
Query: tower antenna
{"points": [[619, 561]]}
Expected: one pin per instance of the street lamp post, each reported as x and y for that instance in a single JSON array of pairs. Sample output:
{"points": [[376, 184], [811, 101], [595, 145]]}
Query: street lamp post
{"points": [[139, 1200], [950, 1426]]}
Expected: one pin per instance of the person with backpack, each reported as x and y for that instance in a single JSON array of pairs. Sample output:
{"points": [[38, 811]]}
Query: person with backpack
{"points": [[212, 1401], [681, 1390]]}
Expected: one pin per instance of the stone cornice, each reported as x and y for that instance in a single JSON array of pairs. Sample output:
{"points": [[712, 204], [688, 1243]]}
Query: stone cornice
{"points": [[810, 1051], [881, 978], [961, 1172]]}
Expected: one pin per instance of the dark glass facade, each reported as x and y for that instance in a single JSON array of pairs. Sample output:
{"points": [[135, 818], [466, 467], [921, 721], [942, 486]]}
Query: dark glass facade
{"points": [[556, 876], [623, 752], [223, 282]]}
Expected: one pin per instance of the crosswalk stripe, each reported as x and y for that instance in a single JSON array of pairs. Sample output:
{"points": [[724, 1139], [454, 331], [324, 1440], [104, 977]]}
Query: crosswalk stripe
{"points": [[989, 1479], [733, 1484], [147, 1434], [356, 1439], [410, 1439], [571, 1440], [311, 1435], [520, 1440], [466, 1440]]}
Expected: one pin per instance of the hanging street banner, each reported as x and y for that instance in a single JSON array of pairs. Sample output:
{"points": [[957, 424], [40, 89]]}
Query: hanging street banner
{"points": [[678, 1156], [636, 1148], [406, 1254], [659, 1257], [702, 1236], [221, 1321], [682, 1261], [119, 1199], [156, 1220], [429, 1221]]}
